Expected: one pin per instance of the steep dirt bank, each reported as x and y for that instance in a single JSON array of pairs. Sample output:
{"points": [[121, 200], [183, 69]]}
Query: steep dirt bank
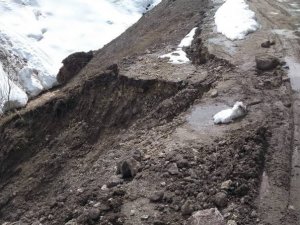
{"points": [[59, 156]]}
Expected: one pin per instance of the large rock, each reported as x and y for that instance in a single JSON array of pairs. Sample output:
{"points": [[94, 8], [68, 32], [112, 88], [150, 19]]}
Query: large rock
{"points": [[72, 65], [206, 217], [266, 62], [128, 168]]}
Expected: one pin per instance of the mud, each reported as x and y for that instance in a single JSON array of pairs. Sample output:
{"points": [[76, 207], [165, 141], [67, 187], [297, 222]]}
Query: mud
{"points": [[59, 155]]}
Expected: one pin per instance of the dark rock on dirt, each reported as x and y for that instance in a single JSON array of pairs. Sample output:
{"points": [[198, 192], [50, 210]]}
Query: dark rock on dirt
{"points": [[187, 208], [173, 169], [266, 62], [94, 214], [128, 168], [207, 217], [267, 44], [72, 65], [220, 199], [114, 181], [157, 196], [242, 190]]}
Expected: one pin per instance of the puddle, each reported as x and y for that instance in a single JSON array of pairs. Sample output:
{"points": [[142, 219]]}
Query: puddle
{"points": [[202, 115], [229, 46], [294, 72]]}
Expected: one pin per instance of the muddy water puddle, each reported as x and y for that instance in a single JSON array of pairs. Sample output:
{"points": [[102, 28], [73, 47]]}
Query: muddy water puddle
{"points": [[294, 72], [202, 115]]}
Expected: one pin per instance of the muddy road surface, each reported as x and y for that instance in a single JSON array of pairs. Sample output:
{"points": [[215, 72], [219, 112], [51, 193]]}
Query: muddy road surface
{"points": [[130, 139]]}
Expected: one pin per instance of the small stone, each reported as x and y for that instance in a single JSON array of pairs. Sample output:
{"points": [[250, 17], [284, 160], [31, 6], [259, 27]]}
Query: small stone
{"points": [[114, 181], [144, 217], [71, 222], [253, 214], [220, 199], [187, 208], [104, 187], [285, 79], [231, 222], [182, 163], [132, 212], [94, 214], [163, 183], [226, 185], [157, 196], [128, 168], [242, 190], [173, 169], [214, 93], [206, 217], [266, 62]]}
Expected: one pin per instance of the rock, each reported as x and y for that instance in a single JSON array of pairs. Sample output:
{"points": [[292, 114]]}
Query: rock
{"points": [[128, 168], [173, 169], [266, 62], [157, 196], [231, 222], [214, 93], [182, 163], [226, 185], [187, 208], [206, 217], [220, 199], [113, 181], [93, 214], [71, 222], [242, 190], [72, 65], [267, 44], [132, 212], [285, 79], [144, 217]]}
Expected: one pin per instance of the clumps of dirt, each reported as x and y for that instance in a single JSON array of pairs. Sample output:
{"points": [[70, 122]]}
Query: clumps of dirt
{"points": [[198, 52], [73, 64], [38, 148], [225, 175]]}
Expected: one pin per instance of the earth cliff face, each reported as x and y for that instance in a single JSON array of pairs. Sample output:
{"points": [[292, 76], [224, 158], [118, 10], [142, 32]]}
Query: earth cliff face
{"points": [[130, 138]]}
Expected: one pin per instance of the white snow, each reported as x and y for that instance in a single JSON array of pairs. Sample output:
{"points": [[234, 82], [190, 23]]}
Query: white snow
{"points": [[179, 56], [41, 33], [10, 91], [228, 115], [235, 20]]}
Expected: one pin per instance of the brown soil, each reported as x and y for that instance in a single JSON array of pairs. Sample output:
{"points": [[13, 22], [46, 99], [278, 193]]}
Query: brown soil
{"points": [[59, 155]]}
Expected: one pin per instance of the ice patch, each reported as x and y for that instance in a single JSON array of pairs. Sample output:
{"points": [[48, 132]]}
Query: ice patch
{"points": [[235, 20], [179, 56]]}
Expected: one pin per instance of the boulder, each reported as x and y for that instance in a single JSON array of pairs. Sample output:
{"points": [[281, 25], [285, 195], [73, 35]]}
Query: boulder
{"points": [[128, 168], [206, 217], [266, 62], [72, 65]]}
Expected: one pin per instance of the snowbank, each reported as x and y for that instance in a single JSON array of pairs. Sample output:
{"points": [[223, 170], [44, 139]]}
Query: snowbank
{"points": [[179, 56], [235, 20], [11, 96], [41, 33]]}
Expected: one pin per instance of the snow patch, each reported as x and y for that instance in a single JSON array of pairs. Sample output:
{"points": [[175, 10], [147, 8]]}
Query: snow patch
{"points": [[179, 56], [235, 20], [41, 33], [11, 96], [228, 115]]}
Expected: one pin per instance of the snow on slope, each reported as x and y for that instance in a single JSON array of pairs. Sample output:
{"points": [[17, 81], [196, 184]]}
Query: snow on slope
{"points": [[179, 56], [235, 20], [41, 33]]}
